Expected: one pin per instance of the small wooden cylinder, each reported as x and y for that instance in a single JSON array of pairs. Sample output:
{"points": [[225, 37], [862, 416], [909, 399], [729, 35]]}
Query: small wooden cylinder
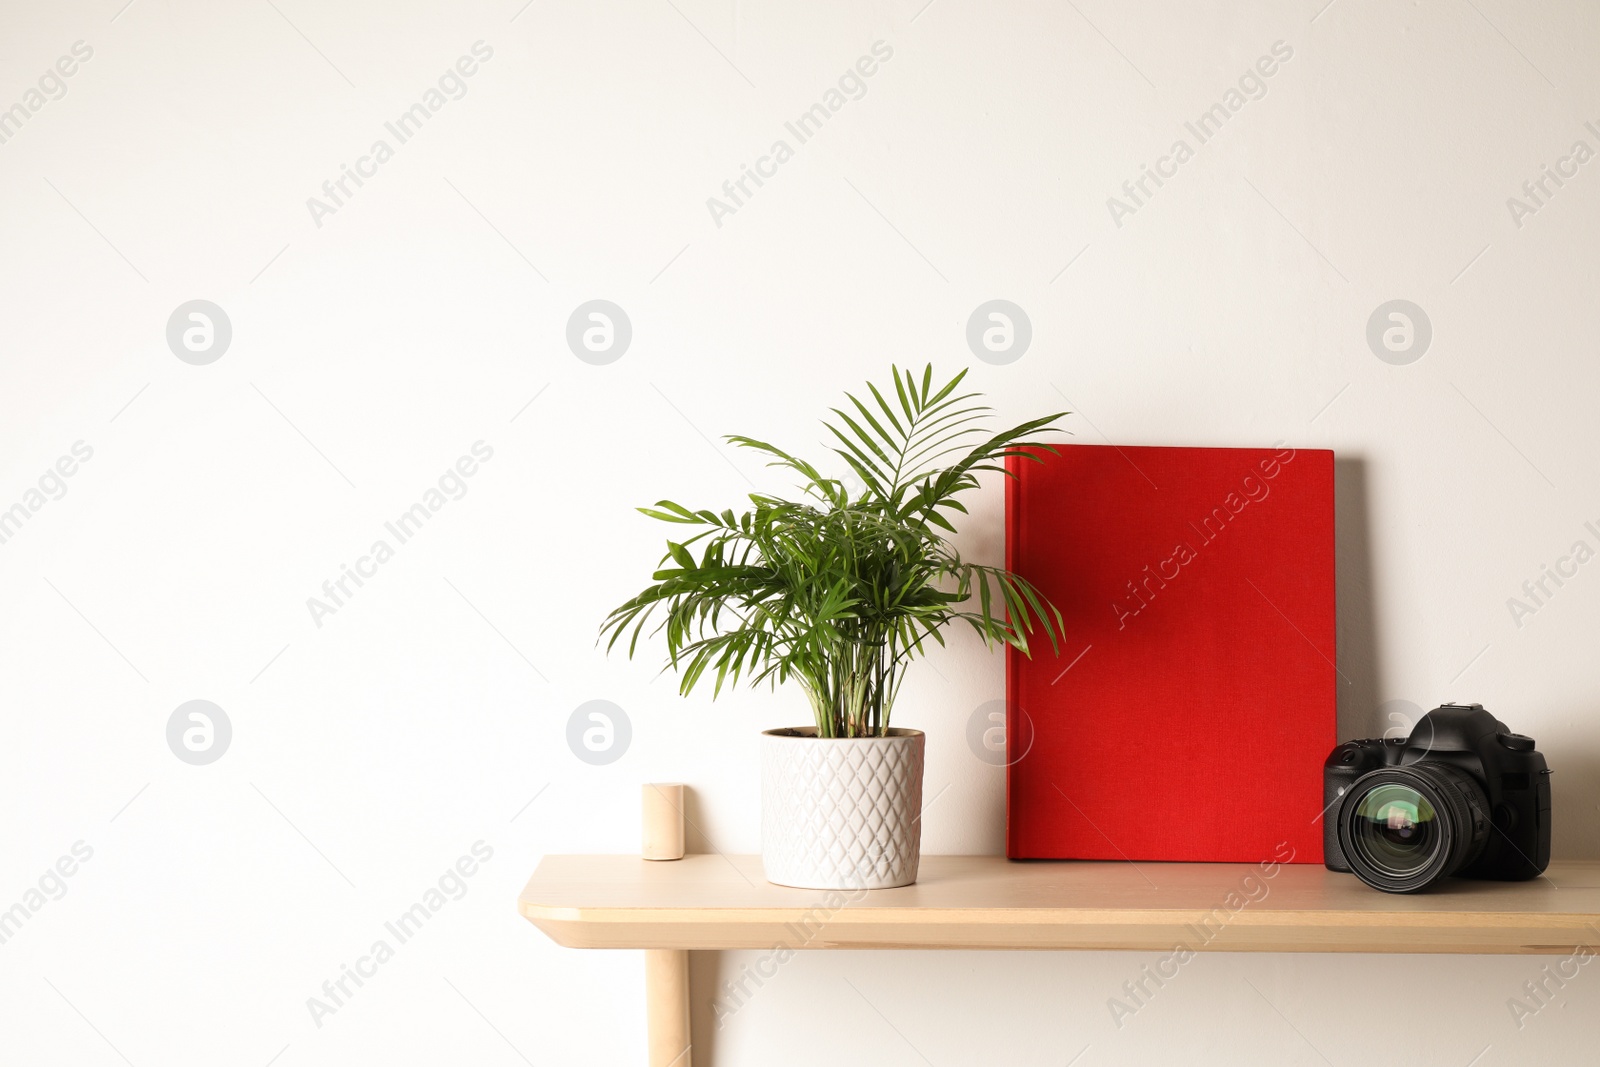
{"points": [[662, 821]]}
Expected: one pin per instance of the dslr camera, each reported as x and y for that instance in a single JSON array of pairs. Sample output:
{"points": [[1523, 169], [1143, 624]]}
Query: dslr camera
{"points": [[1462, 796]]}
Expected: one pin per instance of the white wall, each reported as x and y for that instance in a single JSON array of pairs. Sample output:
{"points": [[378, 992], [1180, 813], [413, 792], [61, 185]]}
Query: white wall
{"points": [[372, 350]]}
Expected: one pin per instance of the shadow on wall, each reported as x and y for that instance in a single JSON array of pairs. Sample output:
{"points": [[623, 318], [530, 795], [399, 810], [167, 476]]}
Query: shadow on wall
{"points": [[1574, 799], [707, 971], [694, 818], [1359, 680]]}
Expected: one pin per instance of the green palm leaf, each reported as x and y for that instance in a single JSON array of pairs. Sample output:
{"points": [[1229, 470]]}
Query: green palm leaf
{"points": [[839, 594]]}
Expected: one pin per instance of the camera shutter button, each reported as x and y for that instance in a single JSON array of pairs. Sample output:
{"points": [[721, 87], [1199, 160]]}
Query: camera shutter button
{"points": [[1516, 742]]}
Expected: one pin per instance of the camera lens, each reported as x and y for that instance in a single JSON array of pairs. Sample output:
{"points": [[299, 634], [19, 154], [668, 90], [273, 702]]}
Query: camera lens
{"points": [[1396, 829], [1405, 828]]}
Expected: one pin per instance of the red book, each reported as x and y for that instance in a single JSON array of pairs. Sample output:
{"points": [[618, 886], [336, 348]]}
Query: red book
{"points": [[1193, 703]]}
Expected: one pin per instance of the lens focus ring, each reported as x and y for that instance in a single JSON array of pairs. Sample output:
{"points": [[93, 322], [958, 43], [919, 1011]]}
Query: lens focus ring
{"points": [[1403, 829]]}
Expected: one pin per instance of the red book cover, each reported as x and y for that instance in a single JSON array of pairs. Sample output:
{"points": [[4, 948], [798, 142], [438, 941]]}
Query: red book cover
{"points": [[1193, 702]]}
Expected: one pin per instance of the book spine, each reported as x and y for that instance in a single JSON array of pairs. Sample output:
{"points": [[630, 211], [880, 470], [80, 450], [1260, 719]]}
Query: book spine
{"points": [[1013, 531]]}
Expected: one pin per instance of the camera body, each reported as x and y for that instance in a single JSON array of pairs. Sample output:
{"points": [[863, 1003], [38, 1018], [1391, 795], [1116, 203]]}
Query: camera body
{"points": [[1461, 796]]}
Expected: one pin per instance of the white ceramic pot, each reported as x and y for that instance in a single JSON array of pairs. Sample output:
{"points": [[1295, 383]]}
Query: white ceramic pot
{"points": [[841, 813]]}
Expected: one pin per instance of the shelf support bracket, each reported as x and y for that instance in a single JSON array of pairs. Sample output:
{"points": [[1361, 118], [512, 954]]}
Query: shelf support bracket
{"points": [[666, 985]]}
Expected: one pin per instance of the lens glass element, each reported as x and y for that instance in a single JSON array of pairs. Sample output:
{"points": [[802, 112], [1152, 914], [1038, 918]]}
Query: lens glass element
{"points": [[1395, 829]]}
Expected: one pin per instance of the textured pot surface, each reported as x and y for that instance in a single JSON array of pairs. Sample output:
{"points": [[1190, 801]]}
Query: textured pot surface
{"points": [[841, 813]]}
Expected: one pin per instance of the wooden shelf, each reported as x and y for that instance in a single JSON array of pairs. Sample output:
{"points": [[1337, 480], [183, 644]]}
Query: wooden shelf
{"points": [[984, 902]]}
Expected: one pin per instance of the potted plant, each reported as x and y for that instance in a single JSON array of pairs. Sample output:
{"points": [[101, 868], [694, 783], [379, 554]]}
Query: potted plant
{"points": [[838, 592]]}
